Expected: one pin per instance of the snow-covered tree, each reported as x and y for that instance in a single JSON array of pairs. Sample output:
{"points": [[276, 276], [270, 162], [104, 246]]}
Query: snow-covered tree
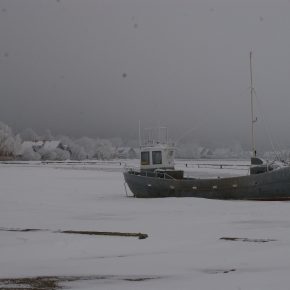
{"points": [[237, 148], [45, 154], [88, 144], [47, 135], [78, 152], [52, 155], [61, 154], [29, 135], [16, 145], [116, 141], [8, 142], [103, 148], [5, 136], [64, 139], [187, 151], [29, 154]]}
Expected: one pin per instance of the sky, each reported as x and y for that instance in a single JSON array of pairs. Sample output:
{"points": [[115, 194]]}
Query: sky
{"points": [[96, 68]]}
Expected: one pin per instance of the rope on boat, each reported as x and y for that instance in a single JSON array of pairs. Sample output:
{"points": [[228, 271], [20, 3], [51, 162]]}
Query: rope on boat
{"points": [[267, 124], [126, 188]]}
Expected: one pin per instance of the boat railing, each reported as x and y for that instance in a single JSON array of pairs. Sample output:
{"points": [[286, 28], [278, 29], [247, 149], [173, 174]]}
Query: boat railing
{"points": [[151, 143], [156, 174], [130, 169], [161, 172]]}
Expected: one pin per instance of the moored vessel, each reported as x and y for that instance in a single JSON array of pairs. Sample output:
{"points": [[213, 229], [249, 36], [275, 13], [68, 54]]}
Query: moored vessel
{"points": [[157, 176]]}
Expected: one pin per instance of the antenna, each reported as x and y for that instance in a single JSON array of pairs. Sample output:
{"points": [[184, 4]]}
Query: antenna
{"points": [[140, 133], [252, 110], [158, 132]]}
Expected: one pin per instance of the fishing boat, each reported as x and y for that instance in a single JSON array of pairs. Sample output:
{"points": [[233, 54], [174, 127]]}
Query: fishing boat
{"points": [[157, 177]]}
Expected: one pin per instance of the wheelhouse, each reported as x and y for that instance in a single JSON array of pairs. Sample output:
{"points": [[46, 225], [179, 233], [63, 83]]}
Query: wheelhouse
{"points": [[157, 152]]}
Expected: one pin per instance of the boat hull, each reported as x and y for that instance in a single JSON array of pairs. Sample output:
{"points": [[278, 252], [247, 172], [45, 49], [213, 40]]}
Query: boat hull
{"points": [[273, 185]]}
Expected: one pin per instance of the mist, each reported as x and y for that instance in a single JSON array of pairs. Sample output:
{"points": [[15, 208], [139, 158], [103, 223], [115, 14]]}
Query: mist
{"points": [[96, 68]]}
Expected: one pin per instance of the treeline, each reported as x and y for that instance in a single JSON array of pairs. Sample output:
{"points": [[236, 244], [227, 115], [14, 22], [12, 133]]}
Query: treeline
{"points": [[77, 149]]}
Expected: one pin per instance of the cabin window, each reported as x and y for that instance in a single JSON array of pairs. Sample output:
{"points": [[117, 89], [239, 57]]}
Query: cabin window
{"points": [[157, 157], [170, 153], [145, 160]]}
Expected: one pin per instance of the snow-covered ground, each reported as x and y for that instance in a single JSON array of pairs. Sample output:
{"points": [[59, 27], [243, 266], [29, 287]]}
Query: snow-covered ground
{"points": [[183, 249]]}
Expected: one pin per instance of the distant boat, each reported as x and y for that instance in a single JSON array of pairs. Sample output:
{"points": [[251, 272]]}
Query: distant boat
{"points": [[158, 178]]}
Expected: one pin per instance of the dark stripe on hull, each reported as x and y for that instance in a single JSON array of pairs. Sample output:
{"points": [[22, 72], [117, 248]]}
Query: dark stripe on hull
{"points": [[273, 185]]}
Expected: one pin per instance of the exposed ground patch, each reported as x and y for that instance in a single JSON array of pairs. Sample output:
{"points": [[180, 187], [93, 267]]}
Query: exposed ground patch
{"points": [[215, 271], [248, 240], [52, 282], [139, 235]]}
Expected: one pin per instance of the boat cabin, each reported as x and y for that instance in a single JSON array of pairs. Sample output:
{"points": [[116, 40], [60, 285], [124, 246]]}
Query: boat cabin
{"points": [[157, 152]]}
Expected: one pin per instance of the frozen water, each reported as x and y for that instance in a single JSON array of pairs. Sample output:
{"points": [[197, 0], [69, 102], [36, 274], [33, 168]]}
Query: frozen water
{"points": [[183, 248]]}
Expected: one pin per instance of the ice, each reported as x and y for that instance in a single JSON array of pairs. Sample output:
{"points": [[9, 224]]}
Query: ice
{"points": [[183, 249]]}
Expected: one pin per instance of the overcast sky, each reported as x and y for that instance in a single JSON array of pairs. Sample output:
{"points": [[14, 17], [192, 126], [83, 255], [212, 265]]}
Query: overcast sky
{"points": [[96, 67]]}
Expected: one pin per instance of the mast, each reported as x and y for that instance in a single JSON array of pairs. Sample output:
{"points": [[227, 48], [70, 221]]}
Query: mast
{"points": [[140, 142], [252, 110]]}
